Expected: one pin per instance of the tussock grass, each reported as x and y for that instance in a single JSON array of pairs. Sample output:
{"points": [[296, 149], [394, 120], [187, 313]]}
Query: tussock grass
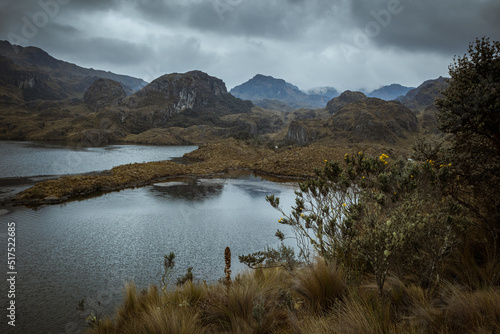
{"points": [[320, 285], [473, 311], [314, 299], [255, 303]]}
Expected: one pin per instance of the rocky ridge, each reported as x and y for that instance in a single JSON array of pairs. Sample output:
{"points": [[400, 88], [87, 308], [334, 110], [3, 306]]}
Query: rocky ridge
{"points": [[64, 79]]}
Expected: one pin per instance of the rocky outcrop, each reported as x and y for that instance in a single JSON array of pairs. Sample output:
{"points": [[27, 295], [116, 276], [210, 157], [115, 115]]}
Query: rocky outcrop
{"points": [[183, 100], [178, 92], [300, 134], [374, 120], [103, 93], [27, 84], [344, 99]]}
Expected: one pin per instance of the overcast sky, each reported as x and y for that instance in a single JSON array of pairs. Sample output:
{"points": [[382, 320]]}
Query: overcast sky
{"points": [[346, 44]]}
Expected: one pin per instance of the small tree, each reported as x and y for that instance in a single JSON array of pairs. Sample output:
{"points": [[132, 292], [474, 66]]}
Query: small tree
{"points": [[470, 105], [470, 112]]}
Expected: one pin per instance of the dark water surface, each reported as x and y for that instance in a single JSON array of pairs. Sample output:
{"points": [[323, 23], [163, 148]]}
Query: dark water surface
{"points": [[41, 158], [89, 249]]}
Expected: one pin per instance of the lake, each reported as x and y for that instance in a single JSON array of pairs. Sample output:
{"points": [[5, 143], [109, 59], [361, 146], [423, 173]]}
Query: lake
{"points": [[22, 159], [89, 249]]}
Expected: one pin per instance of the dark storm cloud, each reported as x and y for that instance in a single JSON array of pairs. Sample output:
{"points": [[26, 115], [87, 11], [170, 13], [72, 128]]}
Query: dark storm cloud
{"points": [[108, 50], [344, 43], [27, 22], [257, 18], [444, 26]]}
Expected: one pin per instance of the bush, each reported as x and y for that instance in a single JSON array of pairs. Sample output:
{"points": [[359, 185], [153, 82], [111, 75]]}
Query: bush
{"points": [[373, 214]]}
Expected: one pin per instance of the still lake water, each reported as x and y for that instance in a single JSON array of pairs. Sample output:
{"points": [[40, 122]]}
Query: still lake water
{"points": [[89, 249], [37, 158]]}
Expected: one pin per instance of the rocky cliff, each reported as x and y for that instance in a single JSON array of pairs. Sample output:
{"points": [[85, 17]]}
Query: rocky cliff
{"points": [[179, 92], [26, 84], [182, 100]]}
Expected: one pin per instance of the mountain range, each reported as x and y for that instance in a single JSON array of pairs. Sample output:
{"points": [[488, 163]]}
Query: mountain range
{"points": [[272, 93], [42, 98]]}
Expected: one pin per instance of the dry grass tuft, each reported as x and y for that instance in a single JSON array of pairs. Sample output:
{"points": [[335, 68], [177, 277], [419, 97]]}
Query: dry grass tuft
{"points": [[252, 304], [313, 299], [473, 311], [320, 285]]}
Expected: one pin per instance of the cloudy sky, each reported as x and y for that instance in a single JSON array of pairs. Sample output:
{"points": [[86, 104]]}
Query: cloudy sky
{"points": [[347, 44]]}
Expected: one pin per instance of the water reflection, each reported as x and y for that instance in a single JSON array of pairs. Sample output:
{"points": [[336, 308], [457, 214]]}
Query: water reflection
{"points": [[199, 189], [88, 249], [192, 190]]}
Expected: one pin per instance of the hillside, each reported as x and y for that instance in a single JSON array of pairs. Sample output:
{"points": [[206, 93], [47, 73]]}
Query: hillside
{"points": [[63, 78], [422, 101], [352, 117], [188, 107], [423, 96]]}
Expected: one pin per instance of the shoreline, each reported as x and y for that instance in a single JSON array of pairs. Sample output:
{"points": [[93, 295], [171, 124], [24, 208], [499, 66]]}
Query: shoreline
{"points": [[215, 160], [10, 201]]}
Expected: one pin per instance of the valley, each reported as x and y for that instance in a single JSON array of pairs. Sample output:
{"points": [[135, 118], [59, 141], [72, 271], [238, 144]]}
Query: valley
{"points": [[42, 98]]}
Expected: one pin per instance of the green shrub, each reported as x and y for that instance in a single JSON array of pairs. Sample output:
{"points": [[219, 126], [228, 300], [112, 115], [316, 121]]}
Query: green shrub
{"points": [[374, 214]]}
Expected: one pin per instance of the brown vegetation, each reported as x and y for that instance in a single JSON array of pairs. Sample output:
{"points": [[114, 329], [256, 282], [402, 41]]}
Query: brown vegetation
{"points": [[314, 299], [209, 160]]}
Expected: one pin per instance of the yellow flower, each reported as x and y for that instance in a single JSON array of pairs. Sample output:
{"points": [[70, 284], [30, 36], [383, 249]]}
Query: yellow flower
{"points": [[326, 160], [344, 204], [382, 158]]}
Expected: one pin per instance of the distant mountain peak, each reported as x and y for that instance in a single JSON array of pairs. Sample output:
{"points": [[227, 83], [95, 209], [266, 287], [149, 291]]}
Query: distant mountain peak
{"points": [[389, 92], [263, 89]]}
